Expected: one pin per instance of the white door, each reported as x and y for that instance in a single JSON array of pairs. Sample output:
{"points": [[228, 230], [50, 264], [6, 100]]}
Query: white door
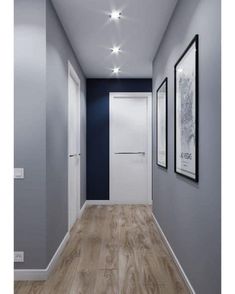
{"points": [[130, 147], [73, 146]]}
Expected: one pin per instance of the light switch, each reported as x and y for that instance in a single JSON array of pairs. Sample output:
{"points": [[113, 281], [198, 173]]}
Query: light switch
{"points": [[18, 173]]}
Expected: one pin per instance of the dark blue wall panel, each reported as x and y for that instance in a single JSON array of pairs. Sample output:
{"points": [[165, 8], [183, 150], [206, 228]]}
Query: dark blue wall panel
{"points": [[98, 130]]}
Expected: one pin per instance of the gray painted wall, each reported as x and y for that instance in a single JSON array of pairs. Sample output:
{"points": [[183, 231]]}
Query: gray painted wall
{"points": [[30, 131], [189, 213], [41, 92], [59, 52]]}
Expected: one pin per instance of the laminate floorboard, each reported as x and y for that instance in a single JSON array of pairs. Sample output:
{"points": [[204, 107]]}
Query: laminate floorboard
{"points": [[113, 249]]}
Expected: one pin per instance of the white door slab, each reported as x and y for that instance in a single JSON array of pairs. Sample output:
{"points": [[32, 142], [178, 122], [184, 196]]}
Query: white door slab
{"points": [[130, 147], [73, 146]]}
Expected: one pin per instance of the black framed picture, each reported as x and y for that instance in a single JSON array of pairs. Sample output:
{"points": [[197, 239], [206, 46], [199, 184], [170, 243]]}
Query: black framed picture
{"points": [[186, 112], [161, 103]]}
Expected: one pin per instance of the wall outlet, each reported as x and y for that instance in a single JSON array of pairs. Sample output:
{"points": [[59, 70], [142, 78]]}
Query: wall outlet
{"points": [[19, 256], [18, 173]]}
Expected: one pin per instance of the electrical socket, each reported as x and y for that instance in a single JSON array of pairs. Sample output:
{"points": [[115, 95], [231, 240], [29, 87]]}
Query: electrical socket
{"points": [[18, 173], [19, 256]]}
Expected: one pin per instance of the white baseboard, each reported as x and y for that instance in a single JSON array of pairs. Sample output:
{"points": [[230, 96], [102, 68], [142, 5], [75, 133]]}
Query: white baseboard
{"points": [[41, 274], [82, 209], [30, 274], [110, 202], [190, 288]]}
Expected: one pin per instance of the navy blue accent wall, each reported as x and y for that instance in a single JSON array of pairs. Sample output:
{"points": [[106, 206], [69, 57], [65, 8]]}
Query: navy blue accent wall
{"points": [[98, 130]]}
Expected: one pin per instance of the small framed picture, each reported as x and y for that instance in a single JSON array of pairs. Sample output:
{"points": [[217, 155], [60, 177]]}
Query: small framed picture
{"points": [[161, 104], [186, 112]]}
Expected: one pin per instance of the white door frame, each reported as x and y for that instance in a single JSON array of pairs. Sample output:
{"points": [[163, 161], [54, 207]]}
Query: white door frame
{"points": [[72, 74], [147, 95]]}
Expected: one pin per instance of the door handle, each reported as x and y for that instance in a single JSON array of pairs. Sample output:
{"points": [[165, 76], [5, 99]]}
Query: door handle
{"points": [[143, 153], [74, 155]]}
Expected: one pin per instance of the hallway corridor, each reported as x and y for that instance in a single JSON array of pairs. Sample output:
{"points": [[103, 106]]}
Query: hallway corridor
{"points": [[112, 249]]}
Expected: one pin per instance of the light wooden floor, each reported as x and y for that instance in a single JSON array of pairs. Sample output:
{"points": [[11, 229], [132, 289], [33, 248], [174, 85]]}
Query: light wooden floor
{"points": [[112, 250]]}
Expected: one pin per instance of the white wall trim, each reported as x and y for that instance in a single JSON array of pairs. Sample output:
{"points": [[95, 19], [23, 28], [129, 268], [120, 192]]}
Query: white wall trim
{"points": [[190, 288], [72, 73], [82, 209], [41, 274], [109, 202], [150, 146]]}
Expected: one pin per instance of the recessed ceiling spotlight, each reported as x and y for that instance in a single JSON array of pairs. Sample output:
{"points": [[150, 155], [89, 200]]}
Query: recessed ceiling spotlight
{"points": [[115, 15], [116, 70], [115, 50]]}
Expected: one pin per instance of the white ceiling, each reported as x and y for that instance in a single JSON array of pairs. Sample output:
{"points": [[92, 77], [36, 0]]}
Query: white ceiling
{"points": [[92, 34]]}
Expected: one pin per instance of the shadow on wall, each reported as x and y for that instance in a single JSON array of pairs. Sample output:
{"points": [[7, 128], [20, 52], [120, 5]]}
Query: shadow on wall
{"points": [[179, 40]]}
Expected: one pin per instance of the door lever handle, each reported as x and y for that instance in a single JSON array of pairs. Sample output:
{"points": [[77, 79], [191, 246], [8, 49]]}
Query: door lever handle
{"points": [[74, 155], [143, 153]]}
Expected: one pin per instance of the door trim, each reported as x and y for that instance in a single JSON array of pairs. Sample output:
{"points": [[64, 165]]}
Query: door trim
{"points": [[147, 95], [72, 73]]}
